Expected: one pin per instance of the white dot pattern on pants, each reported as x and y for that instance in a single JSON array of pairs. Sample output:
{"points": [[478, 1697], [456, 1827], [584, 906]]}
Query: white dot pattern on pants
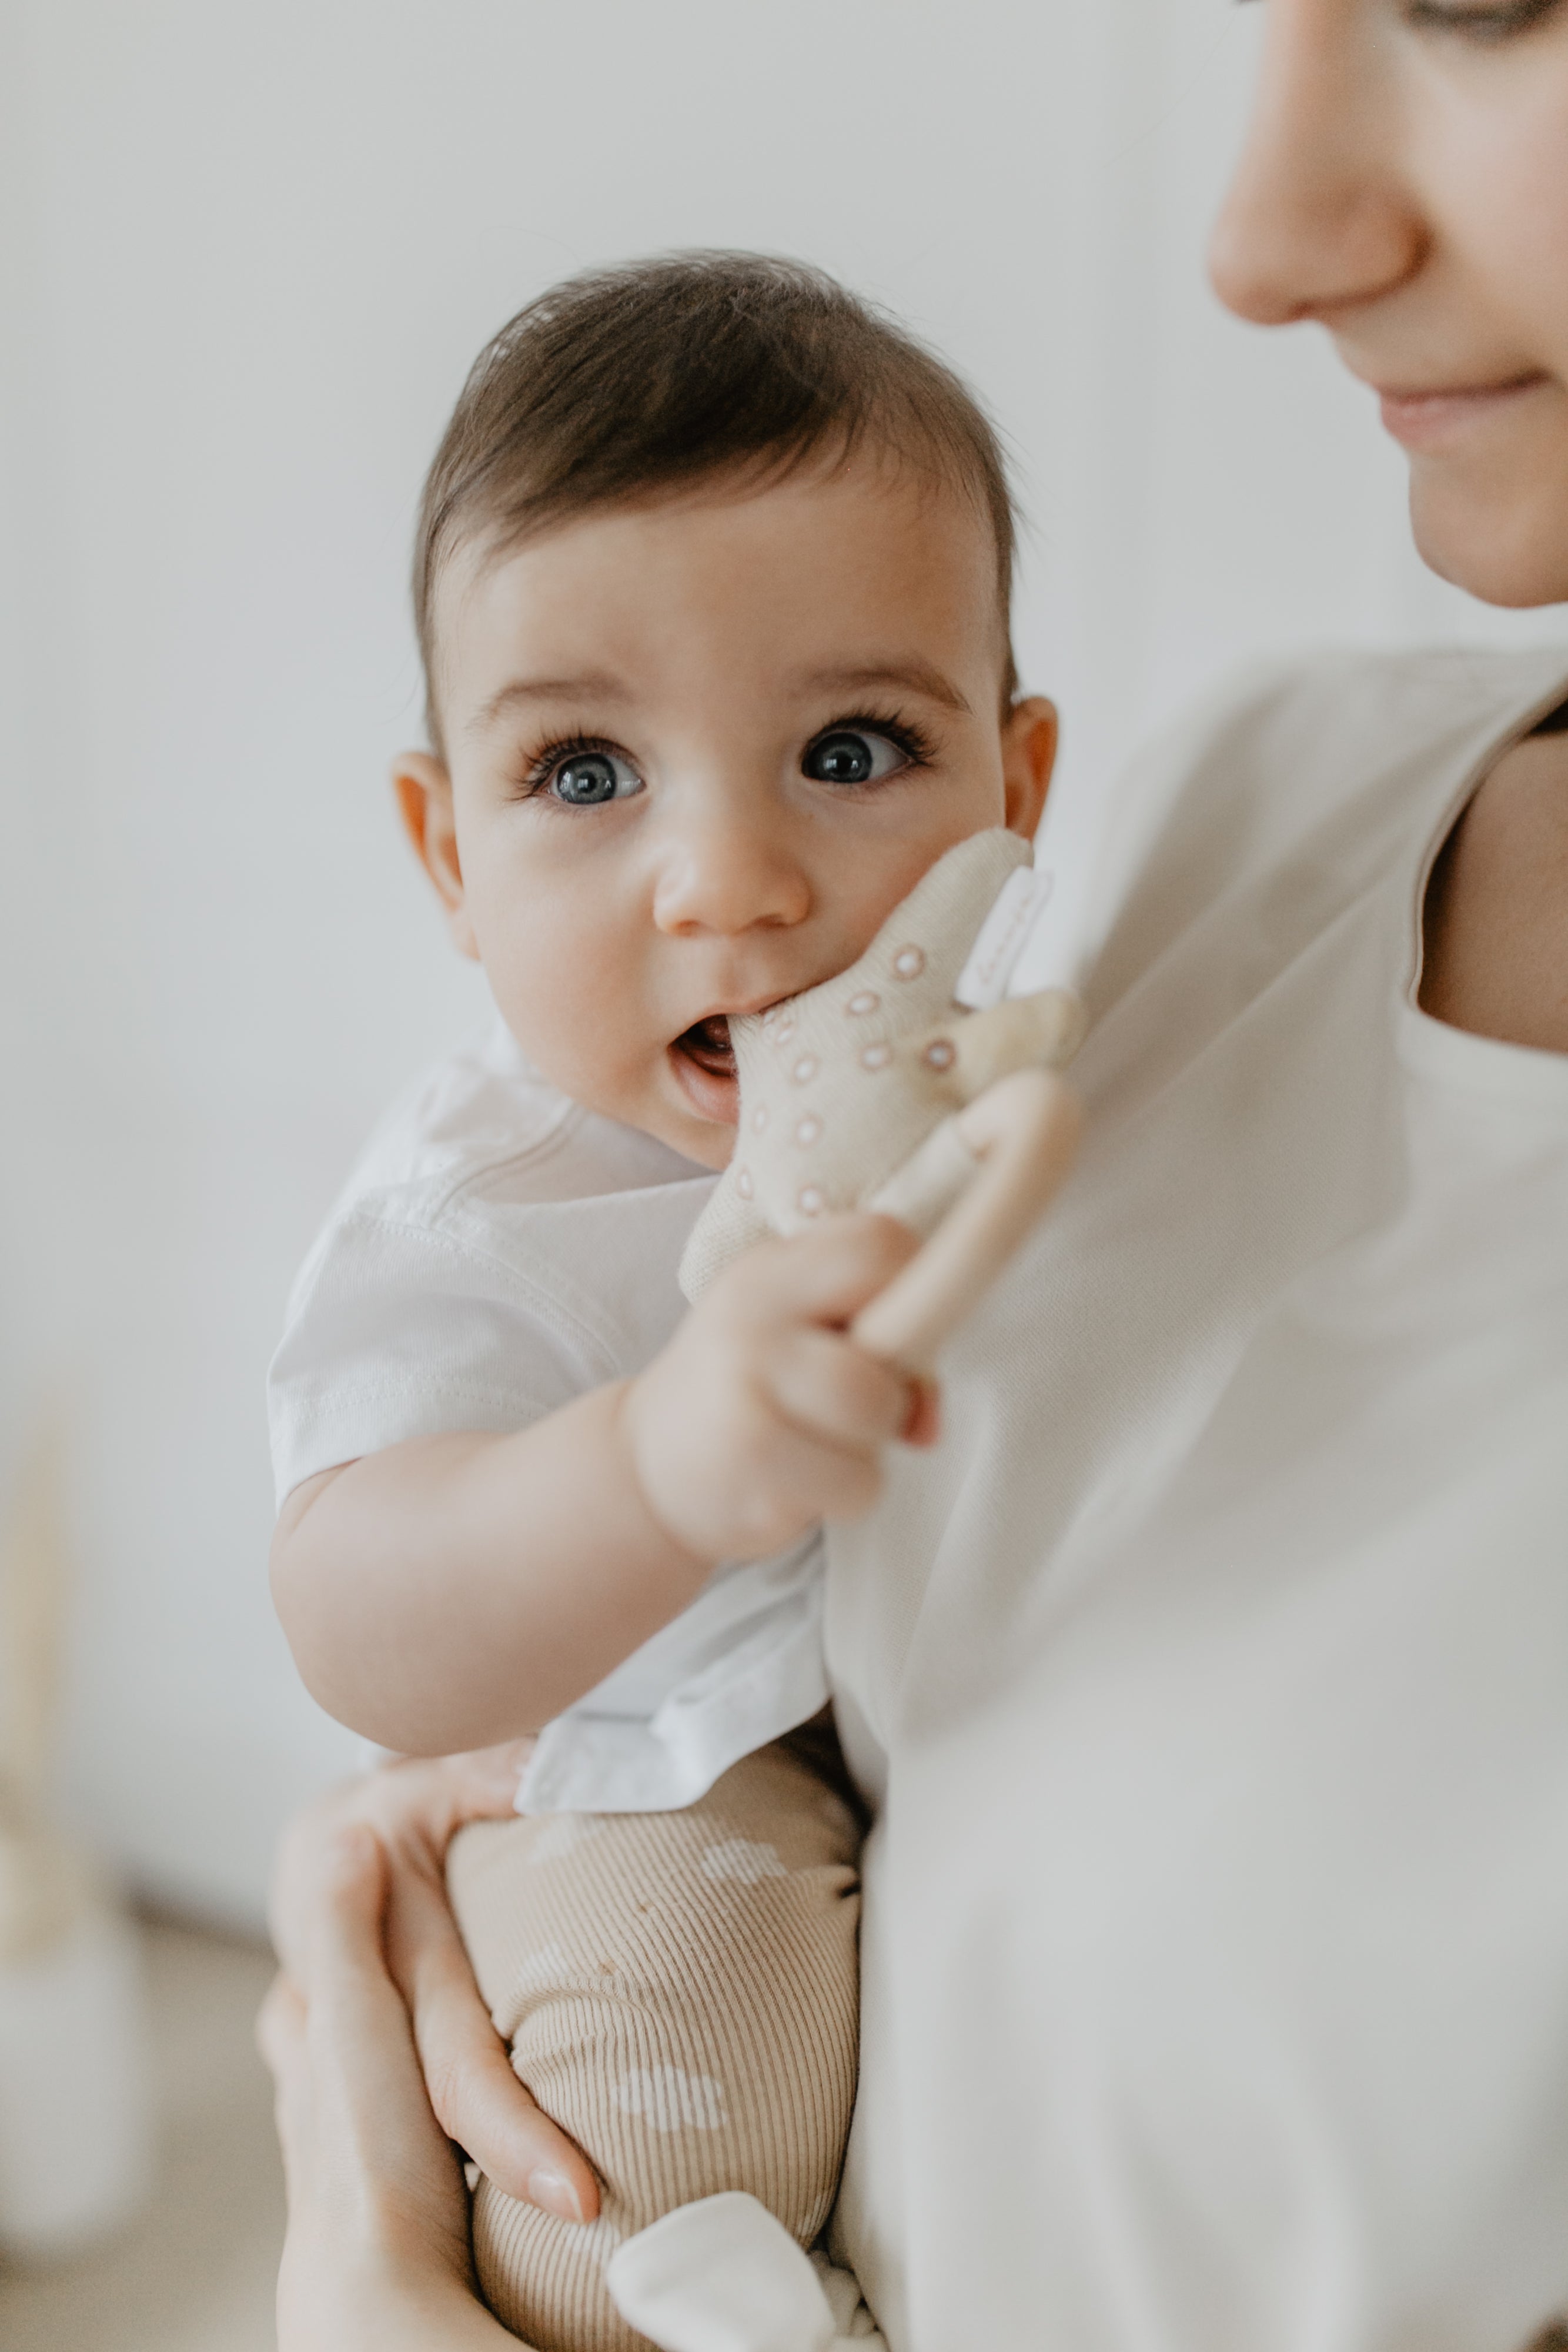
{"points": [[746, 1860], [940, 1054], [563, 1835], [909, 962], [865, 1000], [810, 1199], [743, 1184], [542, 1969], [876, 1058], [671, 2099], [805, 1070], [807, 1130]]}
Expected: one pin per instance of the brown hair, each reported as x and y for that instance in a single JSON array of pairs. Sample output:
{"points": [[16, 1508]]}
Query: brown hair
{"points": [[624, 383]]}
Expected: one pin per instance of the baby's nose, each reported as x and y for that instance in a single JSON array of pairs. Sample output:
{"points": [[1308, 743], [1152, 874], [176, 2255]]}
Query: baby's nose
{"points": [[728, 876]]}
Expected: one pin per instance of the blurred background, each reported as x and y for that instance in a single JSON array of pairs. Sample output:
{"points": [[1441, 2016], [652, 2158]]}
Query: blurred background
{"points": [[249, 255]]}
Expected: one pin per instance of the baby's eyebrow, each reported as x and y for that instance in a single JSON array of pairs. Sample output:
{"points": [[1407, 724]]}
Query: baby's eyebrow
{"points": [[912, 676], [597, 684]]}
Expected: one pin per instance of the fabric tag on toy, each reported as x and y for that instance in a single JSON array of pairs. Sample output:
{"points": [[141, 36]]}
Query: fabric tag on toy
{"points": [[1003, 937]]}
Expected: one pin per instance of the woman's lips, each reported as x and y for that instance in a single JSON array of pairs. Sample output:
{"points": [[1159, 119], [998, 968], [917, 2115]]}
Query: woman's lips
{"points": [[704, 1061], [1435, 420]]}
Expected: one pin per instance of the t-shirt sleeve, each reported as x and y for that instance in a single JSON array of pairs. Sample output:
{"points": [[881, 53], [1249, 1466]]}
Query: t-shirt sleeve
{"points": [[399, 1329]]}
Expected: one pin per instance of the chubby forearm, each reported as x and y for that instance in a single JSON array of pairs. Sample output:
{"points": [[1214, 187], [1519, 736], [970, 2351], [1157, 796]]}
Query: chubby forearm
{"points": [[458, 1591], [453, 1592]]}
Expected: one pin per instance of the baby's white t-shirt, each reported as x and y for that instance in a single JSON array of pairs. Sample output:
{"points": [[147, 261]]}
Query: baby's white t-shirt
{"points": [[498, 1251]]}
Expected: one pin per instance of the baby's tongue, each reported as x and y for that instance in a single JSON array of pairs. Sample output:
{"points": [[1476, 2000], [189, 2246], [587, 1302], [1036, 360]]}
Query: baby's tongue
{"points": [[707, 1043]]}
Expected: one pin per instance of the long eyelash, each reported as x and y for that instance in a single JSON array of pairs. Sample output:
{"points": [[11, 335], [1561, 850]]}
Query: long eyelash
{"points": [[550, 756], [912, 739], [917, 746], [1483, 23]]}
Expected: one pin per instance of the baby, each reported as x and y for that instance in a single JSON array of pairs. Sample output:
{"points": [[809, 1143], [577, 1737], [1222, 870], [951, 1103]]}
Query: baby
{"points": [[712, 587]]}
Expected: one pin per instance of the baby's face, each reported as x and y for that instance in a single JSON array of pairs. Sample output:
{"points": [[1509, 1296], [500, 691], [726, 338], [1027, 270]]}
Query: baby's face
{"points": [[697, 751]]}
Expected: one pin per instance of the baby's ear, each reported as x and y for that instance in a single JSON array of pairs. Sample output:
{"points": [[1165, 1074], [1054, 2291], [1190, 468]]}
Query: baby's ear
{"points": [[424, 792], [1029, 737]]}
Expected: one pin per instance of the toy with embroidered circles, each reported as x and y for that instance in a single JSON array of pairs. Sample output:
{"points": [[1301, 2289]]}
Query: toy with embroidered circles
{"points": [[923, 1083]]}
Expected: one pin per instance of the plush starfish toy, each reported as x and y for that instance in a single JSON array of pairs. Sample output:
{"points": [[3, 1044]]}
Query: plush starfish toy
{"points": [[916, 1084]]}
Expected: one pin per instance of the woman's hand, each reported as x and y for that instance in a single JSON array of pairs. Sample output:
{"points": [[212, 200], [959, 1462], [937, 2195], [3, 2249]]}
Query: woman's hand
{"points": [[375, 1978], [376, 2257], [413, 1808]]}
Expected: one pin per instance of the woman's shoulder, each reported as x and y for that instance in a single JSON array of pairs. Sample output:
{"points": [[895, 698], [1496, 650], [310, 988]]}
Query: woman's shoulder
{"points": [[1329, 766], [1343, 715]]}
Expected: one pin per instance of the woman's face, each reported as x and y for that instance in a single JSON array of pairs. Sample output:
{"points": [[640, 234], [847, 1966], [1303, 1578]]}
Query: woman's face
{"points": [[1405, 182]]}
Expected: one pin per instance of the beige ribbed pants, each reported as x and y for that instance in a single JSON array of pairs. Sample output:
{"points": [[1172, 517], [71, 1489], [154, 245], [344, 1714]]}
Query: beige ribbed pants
{"points": [[680, 1993]]}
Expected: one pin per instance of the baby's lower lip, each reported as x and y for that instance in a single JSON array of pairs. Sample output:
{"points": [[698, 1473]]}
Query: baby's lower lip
{"points": [[707, 1080]]}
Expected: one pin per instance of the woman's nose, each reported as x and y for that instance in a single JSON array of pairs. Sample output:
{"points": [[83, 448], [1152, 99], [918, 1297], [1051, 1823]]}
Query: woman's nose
{"points": [[1318, 218], [728, 870]]}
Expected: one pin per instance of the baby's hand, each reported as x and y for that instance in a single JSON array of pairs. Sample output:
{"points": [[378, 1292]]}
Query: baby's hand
{"points": [[762, 1416]]}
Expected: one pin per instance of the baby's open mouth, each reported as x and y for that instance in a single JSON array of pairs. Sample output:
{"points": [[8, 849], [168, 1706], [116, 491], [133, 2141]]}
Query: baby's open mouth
{"points": [[704, 1061], [706, 1043]]}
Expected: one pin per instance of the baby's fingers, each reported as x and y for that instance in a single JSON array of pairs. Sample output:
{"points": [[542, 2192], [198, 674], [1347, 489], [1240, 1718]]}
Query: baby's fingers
{"points": [[832, 1390], [827, 1274]]}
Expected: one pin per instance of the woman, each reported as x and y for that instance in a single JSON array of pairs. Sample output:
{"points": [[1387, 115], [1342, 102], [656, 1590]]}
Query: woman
{"points": [[1217, 1968]]}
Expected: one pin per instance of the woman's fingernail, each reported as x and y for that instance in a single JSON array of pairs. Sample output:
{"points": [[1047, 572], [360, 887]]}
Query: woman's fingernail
{"points": [[555, 2192]]}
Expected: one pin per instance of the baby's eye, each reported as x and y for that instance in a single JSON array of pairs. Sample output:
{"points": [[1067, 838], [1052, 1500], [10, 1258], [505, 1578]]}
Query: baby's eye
{"points": [[853, 755], [1482, 22], [590, 778]]}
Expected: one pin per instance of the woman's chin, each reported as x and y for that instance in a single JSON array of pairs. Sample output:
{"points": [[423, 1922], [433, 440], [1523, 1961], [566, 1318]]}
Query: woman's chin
{"points": [[1499, 532]]}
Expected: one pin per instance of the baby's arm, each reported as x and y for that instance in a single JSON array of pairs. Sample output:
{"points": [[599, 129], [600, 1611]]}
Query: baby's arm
{"points": [[458, 1591]]}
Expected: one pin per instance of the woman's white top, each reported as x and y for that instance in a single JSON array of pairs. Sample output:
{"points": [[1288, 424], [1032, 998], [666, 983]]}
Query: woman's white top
{"points": [[1214, 1669], [498, 1251]]}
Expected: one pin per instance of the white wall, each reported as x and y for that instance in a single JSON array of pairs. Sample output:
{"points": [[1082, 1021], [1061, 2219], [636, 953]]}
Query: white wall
{"points": [[252, 252]]}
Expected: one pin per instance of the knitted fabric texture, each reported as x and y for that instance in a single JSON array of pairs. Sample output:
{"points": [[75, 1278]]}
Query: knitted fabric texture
{"points": [[837, 1111], [679, 1992]]}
